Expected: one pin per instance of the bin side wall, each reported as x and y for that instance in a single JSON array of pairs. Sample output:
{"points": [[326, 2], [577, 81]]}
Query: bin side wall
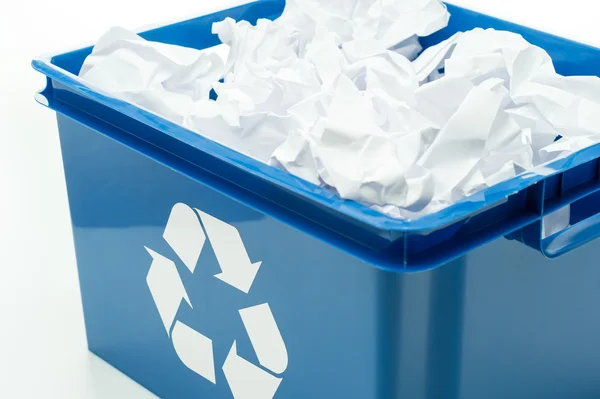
{"points": [[531, 325], [351, 330], [500, 322]]}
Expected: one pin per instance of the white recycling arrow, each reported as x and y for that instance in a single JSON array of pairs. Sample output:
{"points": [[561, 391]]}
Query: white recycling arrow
{"points": [[166, 288], [237, 269], [195, 350], [265, 337], [246, 380], [185, 235]]}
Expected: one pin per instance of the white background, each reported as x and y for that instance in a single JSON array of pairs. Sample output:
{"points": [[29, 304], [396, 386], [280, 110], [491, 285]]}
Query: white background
{"points": [[42, 338]]}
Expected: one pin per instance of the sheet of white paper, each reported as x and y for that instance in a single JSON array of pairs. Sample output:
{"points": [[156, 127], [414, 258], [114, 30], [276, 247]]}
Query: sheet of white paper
{"points": [[354, 153], [440, 99], [460, 143], [433, 58], [123, 62], [394, 23]]}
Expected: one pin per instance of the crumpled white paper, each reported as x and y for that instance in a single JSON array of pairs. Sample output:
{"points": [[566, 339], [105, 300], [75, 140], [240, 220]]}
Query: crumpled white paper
{"points": [[539, 105], [334, 93], [394, 23]]}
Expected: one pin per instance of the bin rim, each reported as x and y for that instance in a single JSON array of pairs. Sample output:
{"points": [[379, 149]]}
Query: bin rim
{"points": [[324, 197]]}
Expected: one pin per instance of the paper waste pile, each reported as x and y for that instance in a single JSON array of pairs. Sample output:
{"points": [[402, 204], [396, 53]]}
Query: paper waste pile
{"points": [[341, 94]]}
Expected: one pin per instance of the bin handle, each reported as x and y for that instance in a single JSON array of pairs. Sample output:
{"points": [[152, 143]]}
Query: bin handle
{"points": [[584, 200], [572, 237]]}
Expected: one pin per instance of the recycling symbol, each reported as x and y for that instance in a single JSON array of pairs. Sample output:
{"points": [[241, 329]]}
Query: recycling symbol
{"points": [[186, 232]]}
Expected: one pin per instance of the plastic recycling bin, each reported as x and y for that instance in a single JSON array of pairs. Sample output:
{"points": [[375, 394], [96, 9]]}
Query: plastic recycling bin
{"points": [[206, 274]]}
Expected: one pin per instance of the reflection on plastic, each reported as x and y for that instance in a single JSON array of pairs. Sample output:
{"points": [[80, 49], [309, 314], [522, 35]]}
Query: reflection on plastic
{"points": [[556, 222]]}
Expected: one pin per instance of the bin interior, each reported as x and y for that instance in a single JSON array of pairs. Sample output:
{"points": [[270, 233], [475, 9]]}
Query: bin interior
{"points": [[513, 208]]}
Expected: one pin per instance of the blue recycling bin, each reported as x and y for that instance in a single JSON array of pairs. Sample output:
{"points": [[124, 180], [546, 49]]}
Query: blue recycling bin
{"points": [[206, 274]]}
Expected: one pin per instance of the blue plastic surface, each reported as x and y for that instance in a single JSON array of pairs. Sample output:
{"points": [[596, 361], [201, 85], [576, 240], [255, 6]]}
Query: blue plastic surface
{"points": [[487, 317]]}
